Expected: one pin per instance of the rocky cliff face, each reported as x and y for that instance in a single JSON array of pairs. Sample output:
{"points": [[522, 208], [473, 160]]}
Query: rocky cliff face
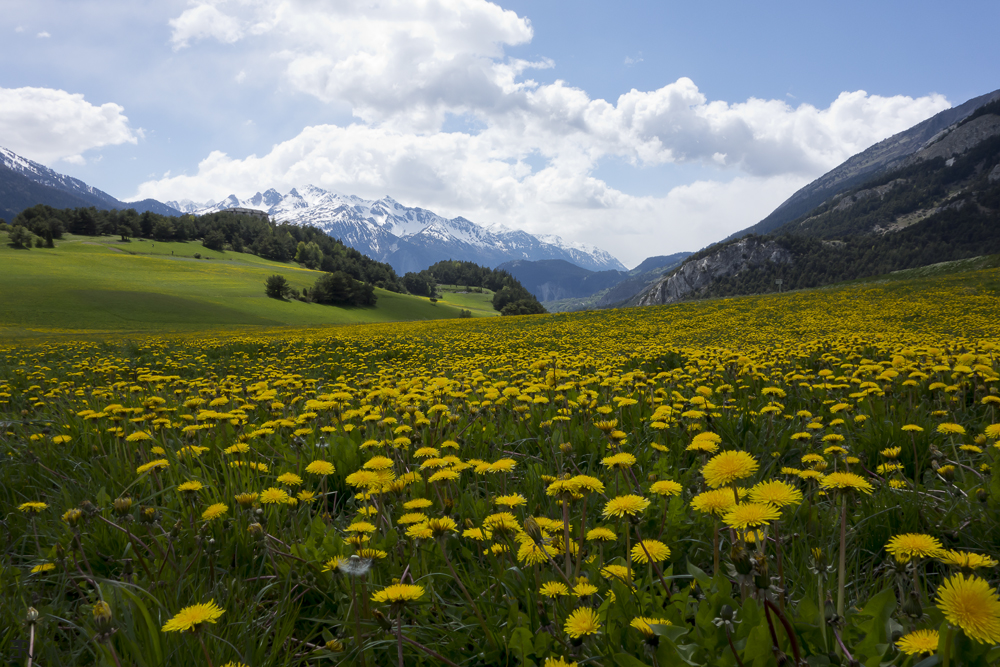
{"points": [[729, 260], [959, 139]]}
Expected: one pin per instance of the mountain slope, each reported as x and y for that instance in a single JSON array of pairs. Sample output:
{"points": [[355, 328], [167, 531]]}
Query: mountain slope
{"points": [[55, 189], [938, 203], [18, 192], [554, 279], [409, 238], [881, 157]]}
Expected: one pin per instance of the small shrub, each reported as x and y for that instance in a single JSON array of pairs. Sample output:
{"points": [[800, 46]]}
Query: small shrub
{"points": [[464, 313], [197, 255]]}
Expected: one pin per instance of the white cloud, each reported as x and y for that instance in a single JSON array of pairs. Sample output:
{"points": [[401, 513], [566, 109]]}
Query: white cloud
{"points": [[48, 125], [43, 35], [78, 160], [19, 28], [241, 77], [404, 67], [629, 60], [204, 21]]}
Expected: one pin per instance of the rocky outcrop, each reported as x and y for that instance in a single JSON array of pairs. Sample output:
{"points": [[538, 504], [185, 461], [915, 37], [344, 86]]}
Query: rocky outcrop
{"points": [[995, 174], [695, 276], [960, 139], [848, 201]]}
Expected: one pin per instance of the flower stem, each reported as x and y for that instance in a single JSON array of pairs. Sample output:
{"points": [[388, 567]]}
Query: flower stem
{"points": [[399, 636], [204, 650], [465, 592], [842, 561]]}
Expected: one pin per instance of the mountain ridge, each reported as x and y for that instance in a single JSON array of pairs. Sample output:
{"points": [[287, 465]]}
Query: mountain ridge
{"points": [[408, 238], [56, 190], [857, 169], [937, 200]]}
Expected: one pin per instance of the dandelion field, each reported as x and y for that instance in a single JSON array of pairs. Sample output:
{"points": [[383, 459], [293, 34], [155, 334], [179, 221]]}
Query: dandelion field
{"points": [[803, 478]]}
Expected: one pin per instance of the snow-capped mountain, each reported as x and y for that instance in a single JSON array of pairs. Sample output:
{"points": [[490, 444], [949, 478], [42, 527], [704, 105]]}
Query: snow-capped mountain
{"points": [[58, 190], [410, 239], [45, 176]]}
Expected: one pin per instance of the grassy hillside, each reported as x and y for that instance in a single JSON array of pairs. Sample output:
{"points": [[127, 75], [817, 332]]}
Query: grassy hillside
{"points": [[480, 304], [103, 284]]}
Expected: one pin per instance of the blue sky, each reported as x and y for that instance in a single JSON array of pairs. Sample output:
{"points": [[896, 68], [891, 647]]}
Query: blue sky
{"points": [[640, 127]]}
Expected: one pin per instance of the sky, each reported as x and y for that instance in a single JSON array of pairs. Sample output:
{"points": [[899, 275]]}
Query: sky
{"points": [[641, 127]]}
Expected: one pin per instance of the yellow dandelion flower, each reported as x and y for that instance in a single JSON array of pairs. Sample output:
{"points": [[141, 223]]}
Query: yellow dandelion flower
{"points": [[417, 504], [558, 662], [152, 465], [620, 461], [751, 515], [715, 502], [951, 429], [727, 467], [32, 507], [191, 618], [581, 622], [775, 493], [601, 534], [971, 604], [289, 479], [512, 500], [274, 496], [320, 467], [919, 641], [214, 511], [647, 550], [666, 488], [399, 593], [553, 589], [846, 481], [630, 505], [966, 560]]}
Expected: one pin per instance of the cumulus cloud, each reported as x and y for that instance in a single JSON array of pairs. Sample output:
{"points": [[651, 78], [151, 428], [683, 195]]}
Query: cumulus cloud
{"points": [[405, 67], [204, 21], [48, 125], [43, 35]]}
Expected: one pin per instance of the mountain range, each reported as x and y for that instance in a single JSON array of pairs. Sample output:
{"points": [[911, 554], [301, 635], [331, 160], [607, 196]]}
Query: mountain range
{"points": [[408, 238], [562, 286]]}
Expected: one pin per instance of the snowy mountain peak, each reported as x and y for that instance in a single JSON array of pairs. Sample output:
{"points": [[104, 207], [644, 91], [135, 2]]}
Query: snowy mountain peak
{"points": [[42, 174], [409, 238]]}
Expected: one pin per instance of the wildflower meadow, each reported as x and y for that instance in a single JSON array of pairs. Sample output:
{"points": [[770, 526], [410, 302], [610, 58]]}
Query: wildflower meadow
{"points": [[801, 479]]}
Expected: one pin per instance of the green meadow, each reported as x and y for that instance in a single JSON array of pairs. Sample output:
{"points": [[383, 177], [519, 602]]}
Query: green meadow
{"points": [[104, 284]]}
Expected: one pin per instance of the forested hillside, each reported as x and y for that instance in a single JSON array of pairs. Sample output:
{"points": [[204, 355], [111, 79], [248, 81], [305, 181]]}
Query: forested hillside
{"points": [[218, 231]]}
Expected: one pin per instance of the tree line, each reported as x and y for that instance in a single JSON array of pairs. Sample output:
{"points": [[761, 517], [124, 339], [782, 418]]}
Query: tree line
{"points": [[281, 242], [350, 275]]}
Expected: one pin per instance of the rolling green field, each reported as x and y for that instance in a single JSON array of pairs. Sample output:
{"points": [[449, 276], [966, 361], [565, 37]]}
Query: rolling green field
{"points": [[724, 482], [480, 303], [104, 284]]}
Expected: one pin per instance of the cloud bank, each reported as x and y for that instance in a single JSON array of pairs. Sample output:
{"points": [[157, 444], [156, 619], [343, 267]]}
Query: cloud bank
{"points": [[48, 125], [406, 68]]}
